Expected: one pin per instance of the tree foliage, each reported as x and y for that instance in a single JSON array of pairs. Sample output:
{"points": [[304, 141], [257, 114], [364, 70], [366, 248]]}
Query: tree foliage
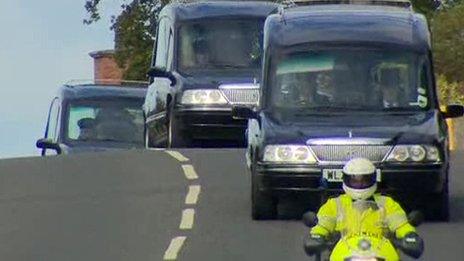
{"points": [[448, 40], [134, 29], [449, 92]]}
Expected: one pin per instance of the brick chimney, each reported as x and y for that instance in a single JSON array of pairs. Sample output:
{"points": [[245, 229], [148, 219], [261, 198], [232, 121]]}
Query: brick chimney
{"points": [[106, 70]]}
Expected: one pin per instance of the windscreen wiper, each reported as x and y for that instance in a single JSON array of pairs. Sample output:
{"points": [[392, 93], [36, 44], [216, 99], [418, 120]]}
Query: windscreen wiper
{"points": [[230, 66], [111, 140], [334, 110]]}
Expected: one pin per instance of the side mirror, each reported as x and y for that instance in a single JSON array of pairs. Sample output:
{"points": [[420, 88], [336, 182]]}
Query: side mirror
{"points": [[162, 73], [243, 112], [416, 218], [453, 111], [309, 219], [48, 144]]}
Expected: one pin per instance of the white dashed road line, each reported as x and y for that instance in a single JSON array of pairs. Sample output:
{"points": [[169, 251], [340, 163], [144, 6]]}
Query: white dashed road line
{"points": [[174, 248], [188, 217], [177, 155], [190, 172], [192, 195]]}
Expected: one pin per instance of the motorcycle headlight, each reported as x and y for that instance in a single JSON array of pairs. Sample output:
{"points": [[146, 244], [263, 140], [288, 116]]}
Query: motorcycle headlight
{"points": [[289, 154], [203, 97], [414, 153]]}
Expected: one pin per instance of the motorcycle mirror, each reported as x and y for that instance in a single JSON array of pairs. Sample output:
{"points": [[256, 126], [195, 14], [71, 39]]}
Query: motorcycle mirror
{"points": [[309, 219], [415, 218]]}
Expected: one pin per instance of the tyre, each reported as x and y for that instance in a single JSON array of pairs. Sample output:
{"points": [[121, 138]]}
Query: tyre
{"points": [[263, 205], [176, 138]]}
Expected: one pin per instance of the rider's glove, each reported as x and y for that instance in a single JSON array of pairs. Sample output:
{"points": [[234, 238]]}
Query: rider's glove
{"points": [[314, 244], [412, 245]]}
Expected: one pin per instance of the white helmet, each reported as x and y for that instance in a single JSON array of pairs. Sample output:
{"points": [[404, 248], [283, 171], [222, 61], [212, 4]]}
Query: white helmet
{"points": [[359, 178]]}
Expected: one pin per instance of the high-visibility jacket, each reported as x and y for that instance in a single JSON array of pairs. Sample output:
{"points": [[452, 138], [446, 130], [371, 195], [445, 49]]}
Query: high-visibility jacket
{"points": [[339, 215]]}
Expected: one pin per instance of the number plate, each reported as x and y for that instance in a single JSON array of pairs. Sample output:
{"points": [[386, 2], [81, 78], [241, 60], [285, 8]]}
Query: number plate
{"points": [[336, 175]]}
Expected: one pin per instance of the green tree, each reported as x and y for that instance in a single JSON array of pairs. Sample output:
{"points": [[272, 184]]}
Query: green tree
{"points": [[449, 92], [426, 7], [448, 40], [135, 29]]}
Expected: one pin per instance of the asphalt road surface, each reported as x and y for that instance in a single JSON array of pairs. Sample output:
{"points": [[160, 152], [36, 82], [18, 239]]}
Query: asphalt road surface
{"points": [[151, 205]]}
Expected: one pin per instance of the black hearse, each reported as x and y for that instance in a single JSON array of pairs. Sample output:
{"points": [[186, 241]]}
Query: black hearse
{"points": [[346, 81], [91, 116], [207, 57]]}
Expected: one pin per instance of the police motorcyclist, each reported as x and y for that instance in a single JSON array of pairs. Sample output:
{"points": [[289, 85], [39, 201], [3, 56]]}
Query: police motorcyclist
{"points": [[362, 211]]}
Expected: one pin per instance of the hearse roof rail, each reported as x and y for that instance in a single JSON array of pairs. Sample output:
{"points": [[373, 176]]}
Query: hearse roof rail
{"points": [[106, 82], [391, 3]]}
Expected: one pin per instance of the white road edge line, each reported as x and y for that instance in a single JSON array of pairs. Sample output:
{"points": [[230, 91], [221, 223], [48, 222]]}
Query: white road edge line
{"points": [[190, 172], [177, 155], [174, 248], [192, 195], [188, 217]]}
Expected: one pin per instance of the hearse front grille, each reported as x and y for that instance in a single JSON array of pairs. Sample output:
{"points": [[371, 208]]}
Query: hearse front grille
{"points": [[344, 153], [246, 94]]}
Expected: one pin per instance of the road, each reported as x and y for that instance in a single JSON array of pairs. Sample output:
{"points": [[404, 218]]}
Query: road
{"points": [[151, 205]]}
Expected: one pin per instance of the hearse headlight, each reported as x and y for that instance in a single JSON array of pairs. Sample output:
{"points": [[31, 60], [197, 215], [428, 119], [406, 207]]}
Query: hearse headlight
{"points": [[414, 153], [417, 153], [289, 154], [433, 154], [203, 97]]}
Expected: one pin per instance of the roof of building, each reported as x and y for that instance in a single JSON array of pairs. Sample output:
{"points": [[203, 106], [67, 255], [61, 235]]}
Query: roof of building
{"points": [[102, 53]]}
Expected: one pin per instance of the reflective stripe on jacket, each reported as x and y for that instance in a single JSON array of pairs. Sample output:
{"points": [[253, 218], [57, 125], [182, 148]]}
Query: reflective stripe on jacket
{"points": [[341, 215]]}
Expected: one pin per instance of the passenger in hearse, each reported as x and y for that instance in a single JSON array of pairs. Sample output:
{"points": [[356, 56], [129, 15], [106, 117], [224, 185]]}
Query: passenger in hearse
{"points": [[86, 129], [392, 96], [308, 91]]}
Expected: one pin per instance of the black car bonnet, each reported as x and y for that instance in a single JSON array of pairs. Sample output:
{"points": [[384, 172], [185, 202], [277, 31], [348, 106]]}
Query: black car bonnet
{"points": [[386, 129]]}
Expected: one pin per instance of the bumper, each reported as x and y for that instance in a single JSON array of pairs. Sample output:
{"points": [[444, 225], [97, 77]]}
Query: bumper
{"points": [[210, 123], [395, 178]]}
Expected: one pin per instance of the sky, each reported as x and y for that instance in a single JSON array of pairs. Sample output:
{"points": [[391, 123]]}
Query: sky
{"points": [[43, 44]]}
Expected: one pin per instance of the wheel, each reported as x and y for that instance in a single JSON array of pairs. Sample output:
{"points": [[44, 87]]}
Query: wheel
{"points": [[176, 138], [263, 205]]}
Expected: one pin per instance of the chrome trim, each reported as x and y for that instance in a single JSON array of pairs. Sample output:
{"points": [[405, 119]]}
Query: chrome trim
{"points": [[203, 109], [347, 141], [248, 94], [156, 116], [239, 86], [340, 154]]}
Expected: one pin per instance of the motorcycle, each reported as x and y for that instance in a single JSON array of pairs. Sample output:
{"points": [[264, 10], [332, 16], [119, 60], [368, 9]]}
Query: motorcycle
{"points": [[357, 247]]}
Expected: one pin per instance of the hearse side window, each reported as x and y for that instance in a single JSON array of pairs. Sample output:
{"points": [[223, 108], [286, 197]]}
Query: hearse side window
{"points": [[170, 51], [423, 86], [161, 48], [357, 79], [54, 116]]}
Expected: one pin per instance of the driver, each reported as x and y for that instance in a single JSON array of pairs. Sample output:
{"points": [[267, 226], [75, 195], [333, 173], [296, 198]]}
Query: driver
{"points": [[363, 212]]}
